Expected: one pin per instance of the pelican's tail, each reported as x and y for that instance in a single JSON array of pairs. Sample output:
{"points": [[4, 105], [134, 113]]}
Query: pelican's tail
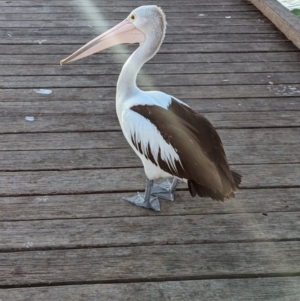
{"points": [[203, 191]]}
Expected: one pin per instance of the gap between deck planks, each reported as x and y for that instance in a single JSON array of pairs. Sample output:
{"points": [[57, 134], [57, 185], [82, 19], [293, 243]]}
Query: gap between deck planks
{"points": [[263, 289]]}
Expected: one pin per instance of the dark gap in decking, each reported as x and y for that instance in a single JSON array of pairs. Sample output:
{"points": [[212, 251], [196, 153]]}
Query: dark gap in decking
{"points": [[133, 245], [156, 279]]}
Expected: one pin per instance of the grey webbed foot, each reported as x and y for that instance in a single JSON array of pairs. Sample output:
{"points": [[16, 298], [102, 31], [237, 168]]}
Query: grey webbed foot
{"points": [[139, 200], [165, 190], [145, 199]]}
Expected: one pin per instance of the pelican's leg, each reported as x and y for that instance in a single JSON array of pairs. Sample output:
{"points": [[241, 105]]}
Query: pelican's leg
{"points": [[165, 190], [145, 199]]}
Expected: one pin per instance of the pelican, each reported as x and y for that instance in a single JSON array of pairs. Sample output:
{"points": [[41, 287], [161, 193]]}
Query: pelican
{"points": [[171, 139]]}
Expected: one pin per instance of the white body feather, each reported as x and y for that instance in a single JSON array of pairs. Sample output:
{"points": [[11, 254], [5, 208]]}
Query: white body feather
{"points": [[146, 133]]}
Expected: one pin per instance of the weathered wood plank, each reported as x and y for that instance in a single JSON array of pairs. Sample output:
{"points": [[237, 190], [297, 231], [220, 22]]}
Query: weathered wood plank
{"points": [[158, 80], [63, 106], [115, 140], [71, 16], [170, 39], [209, 62], [154, 69], [251, 146], [87, 31], [105, 3], [190, 53], [97, 122], [70, 159], [180, 47], [182, 92], [129, 179], [114, 158], [112, 205], [80, 22], [259, 289], [150, 263], [195, 9], [281, 17], [60, 141], [155, 230]]}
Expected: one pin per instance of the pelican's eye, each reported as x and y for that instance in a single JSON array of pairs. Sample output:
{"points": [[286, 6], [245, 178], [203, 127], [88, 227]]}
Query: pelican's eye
{"points": [[132, 17]]}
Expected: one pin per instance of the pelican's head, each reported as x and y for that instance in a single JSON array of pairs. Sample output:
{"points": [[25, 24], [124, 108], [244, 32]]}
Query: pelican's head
{"points": [[145, 22]]}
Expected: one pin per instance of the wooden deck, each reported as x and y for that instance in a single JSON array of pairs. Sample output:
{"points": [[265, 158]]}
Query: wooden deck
{"points": [[66, 233]]}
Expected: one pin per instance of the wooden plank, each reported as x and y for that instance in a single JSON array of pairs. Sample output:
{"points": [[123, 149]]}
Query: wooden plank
{"points": [[161, 58], [190, 53], [125, 10], [114, 158], [241, 146], [70, 159], [158, 80], [80, 22], [107, 80], [110, 205], [97, 122], [60, 141], [71, 16], [225, 38], [108, 106], [87, 31], [113, 180], [115, 140], [259, 289], [182, 46], [104, 3], [152, 230], [154, 69], [150, 263], [290, 92], [284, 20]]}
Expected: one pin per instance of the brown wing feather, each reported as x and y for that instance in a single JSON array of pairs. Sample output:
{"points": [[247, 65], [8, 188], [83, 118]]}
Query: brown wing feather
{"points": [[206, 134], [203, 160]]}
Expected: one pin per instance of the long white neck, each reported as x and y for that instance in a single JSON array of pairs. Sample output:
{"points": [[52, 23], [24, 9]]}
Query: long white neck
{"points": [[126, 86]]}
